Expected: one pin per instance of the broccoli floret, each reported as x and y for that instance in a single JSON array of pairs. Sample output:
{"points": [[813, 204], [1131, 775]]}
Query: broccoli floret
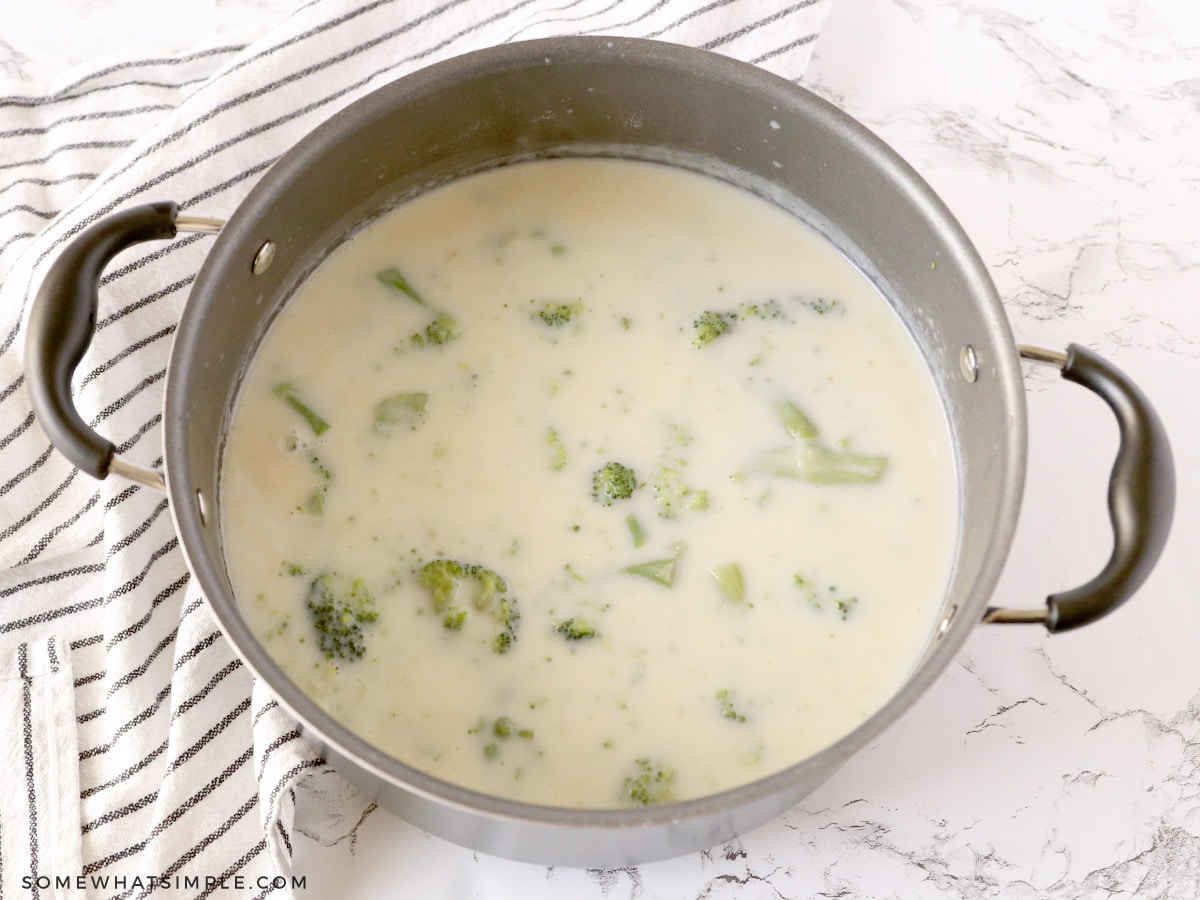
{"points": [[651, 784], [340, 608], [613, 481], [407, 410], [725, 701], [395, 279], [445, 579], [729, 579], [491, 586], [442, 577], [576, 629], [506, 615], [442, 330], [558, 314], [711, 325], [671, 493], [287, 391]]}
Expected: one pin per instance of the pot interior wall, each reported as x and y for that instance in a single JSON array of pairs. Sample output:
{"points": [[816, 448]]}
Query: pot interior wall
{"points": [[633, 99]]}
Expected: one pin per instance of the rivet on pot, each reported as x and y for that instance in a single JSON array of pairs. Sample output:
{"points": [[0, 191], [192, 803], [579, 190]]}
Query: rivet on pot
{"points": [[201, 507], [944, 625], [969, 363], [263, 258]]}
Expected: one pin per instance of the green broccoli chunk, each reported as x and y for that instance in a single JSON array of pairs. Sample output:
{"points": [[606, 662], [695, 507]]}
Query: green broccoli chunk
{"points": [[394, 278], [798, 425], [506, 615], [672, 494], [316, 500], [650, 784], [730, 581], [613, 481], [728, 710], [287, 391], [711, 325], [661, 570], [558, 450], [636, 532], [810, 460], [575, 629], [442, 330], [404, 410], [442, 577], [446, 579], [502, 728], [340, 610], [822, 465], [768, 309], [489, 586], [817, 599], [556, 315], [822, 305]]}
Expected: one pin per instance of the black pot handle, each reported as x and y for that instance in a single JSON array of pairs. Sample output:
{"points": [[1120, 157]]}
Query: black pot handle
{"points": [[1141, 496], [63, 320]]}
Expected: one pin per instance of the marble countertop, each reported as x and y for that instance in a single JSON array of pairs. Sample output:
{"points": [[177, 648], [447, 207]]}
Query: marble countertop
{"points": [[1063, 136]]}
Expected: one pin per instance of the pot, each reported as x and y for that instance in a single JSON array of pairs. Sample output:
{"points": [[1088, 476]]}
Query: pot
{"points": [[625, 98]]}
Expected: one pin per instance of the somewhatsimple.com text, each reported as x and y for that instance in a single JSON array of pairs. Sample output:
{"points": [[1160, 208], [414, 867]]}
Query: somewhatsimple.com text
{"points": [[163, 882]]}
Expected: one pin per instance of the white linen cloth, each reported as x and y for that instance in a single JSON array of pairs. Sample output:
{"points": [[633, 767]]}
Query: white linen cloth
{"points": [[137, 755]]}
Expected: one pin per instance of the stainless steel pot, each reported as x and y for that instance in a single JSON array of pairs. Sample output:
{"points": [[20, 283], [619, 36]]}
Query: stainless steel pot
{"points": [[613, 97]]}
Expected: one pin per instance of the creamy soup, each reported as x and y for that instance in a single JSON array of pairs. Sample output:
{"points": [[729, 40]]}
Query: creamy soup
{"points": [[591, 483]]}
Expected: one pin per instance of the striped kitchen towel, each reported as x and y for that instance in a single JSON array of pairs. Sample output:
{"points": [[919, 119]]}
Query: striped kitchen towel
{"points": [[137, 755]]}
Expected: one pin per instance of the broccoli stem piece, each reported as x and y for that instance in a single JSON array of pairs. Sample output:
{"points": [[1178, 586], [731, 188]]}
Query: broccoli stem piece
{"points": [[819, 464], [661, 570], [613, 481], [404, 409], [395, 278], [809, 460], [729, 579], [636, 532], [796, 422], [287, 391]]}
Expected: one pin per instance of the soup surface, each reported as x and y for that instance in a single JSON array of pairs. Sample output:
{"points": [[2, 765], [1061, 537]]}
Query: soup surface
{"points": [[590, 483]]}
